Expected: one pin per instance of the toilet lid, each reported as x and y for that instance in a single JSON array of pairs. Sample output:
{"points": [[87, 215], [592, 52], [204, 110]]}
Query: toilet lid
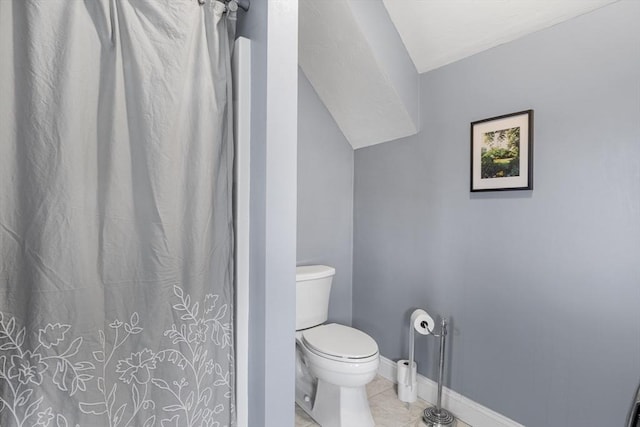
{"points": [[340, 341]]}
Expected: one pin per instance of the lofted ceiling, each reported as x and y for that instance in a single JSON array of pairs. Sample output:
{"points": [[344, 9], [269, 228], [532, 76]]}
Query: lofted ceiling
{"points": [[354, 59], [363, 57], [439, 32]]}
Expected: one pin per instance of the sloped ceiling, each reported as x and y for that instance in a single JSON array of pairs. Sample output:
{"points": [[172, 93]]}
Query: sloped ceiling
{"points": [[438, 32], [363, 56], [351, 73]]}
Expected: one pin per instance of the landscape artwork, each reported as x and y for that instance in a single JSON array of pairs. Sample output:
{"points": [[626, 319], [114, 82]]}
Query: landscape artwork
{"points": [[502, 153]]}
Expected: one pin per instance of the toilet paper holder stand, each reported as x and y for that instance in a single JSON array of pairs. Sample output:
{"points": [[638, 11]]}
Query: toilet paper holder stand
{"points": [[437, 416], [434, 416]]}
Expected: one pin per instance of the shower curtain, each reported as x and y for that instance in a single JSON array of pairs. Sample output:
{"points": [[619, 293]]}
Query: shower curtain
{"points": [[116, 251]]}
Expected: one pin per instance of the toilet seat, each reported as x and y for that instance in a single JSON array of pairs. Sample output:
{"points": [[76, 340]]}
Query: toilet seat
{"points": [[340, 343]]}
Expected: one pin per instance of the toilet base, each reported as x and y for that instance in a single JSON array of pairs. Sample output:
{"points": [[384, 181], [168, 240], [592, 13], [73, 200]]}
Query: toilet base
{"points": [[336, 406]]}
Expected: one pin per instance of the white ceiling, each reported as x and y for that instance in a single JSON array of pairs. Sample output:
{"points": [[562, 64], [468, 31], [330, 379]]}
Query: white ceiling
{"points": [[438, 32], [363, 56], [338, 58]]}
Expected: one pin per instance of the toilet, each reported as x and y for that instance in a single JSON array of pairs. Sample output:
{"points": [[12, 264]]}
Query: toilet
{"points": [[334, 362]]}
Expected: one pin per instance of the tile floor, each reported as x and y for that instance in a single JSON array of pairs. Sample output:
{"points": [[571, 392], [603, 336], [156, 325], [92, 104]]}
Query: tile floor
{"points": [[386, 409]]}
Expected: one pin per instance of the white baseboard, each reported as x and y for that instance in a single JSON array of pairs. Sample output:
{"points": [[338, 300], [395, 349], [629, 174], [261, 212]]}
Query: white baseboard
{"points": [[463, 408]]}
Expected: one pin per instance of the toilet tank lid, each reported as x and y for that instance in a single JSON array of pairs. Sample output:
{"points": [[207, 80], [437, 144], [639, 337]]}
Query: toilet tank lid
{"points": [[312, 272]]}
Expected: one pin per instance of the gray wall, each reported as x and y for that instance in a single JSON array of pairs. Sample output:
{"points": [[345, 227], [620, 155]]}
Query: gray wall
{"points": [[325, 197], [542, 287], [272, 27]]}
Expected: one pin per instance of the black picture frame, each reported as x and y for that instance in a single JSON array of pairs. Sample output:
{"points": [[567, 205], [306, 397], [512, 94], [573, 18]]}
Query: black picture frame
{"points": [[502, 153]]}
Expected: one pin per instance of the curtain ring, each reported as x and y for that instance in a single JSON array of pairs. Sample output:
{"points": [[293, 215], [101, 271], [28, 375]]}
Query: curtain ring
{"points": [[232, 6]]}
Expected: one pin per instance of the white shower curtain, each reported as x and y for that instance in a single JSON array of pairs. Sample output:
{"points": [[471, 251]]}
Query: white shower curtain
{"points": [[116, 251]]}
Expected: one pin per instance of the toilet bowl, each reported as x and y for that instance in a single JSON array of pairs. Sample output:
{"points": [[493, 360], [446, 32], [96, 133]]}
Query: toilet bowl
{"points": [[334, 362], [340, 354]]}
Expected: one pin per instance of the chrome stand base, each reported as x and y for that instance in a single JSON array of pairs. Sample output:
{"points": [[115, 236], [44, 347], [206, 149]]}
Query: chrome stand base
{"points": [[434, 417]]}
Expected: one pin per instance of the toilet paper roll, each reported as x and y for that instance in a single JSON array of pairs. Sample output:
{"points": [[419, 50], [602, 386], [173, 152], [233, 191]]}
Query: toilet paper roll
{"points": [[422, 322], [407, 381]]}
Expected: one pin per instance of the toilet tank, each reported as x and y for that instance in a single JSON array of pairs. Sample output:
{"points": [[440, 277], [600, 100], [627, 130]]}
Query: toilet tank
{"points": [[313, 287]]}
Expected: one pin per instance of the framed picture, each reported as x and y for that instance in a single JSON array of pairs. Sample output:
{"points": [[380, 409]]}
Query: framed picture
{"points": [[502, 153]]}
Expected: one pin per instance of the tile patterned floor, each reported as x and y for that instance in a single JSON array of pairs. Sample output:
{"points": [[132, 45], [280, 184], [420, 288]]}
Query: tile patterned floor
{"points": [[386, 409]]}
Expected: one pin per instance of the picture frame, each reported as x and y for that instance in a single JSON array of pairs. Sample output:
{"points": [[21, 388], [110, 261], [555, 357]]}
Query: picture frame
{"points": [[502, 153]]}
